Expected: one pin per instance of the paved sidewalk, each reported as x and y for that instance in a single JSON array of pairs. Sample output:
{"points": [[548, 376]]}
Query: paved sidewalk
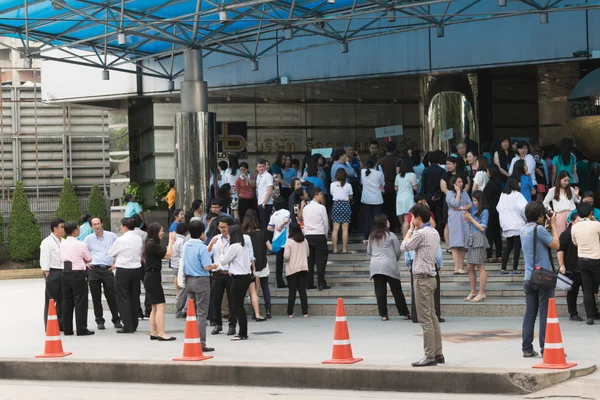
{"points": [[307, 341]]}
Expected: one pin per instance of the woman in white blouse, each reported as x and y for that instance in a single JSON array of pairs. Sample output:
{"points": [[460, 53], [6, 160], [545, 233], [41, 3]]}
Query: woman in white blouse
{"points": [[563, 198], [481, 177], [341, 191], [406, 185], [231, 175], [511, 209], [373, 183], [238, 261]]}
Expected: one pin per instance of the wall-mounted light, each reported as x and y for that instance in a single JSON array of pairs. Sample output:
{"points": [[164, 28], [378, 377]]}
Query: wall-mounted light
{"points": [[58, 4], [289, 34], [439, 31], [171, 85], [344, 46], [254, 65], [121, 38], [105, 75], [501, 3], [391, 15], [544, 18], [223, 17]]}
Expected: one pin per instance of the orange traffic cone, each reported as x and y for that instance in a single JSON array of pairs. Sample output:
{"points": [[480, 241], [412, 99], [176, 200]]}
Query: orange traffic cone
{"points": [[342, 349], [53, 346], [554, 353], [192, 349]]}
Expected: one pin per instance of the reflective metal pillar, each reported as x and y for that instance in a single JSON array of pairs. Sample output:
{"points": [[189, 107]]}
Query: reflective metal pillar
{"points": [[195, 136]]}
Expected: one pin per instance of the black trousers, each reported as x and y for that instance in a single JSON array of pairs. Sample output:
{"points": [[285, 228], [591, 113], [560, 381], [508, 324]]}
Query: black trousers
{"points": [[147, 306], [494, 235], [512, 242], [436, 296], [101, 277], [381, 282], [297, 283], [279, 269], [389, 209], [239, 287], [221, 283], [590, 277], [370, 211], [355, 206], [264, 214], [75, 297], [573, 293], [54, 291], [127, 285], [437, 208], [245, 205], [319, 252]]}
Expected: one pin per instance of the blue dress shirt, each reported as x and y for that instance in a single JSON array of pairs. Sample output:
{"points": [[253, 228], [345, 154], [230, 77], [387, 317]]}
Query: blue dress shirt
{"points": [[195, 258], [99, 247]]}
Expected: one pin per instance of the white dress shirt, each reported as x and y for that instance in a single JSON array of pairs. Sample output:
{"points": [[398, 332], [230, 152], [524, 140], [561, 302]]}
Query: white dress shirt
{"points": [[128, 250], [141, 234], [371, 193], [262, 187], [50, 253], [177, 253], [339, 192], [563, 203], [237, 259], [219, 247], [316, 221]]}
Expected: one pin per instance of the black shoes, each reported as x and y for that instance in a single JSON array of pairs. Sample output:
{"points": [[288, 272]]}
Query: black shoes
{"points": [[425, 362], [575, 318], [124, 331], [231, 331], [530, 354], [206, 349], [440, 320], [162, 339], [324, 287], [152, 337], [87, 332], [212, 323], [101, 326], [217, 330], [180, 315], [117, 325], [268, 312], [440, 359], [589, 321], [261, 319]]}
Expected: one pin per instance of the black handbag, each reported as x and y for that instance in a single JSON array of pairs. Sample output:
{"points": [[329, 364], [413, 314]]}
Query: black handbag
{"points": [[541, 276]]}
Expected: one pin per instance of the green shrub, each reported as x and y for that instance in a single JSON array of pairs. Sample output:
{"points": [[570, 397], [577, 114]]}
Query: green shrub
{"points": [[97, 206], [24, 236], [68, 206], [160, 191], [135, 189]]}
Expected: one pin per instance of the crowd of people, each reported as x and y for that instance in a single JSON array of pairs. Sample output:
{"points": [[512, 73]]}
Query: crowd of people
{"points": [[290, 207]]}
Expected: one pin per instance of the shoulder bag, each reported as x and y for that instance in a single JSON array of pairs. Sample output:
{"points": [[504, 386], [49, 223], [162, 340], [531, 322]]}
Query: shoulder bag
{"points": [[540, 276]]}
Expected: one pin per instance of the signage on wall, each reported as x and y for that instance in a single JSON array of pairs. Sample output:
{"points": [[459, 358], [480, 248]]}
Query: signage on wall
{"points": [[232, 139], [325, 152], [448, 134], [387, 131]]}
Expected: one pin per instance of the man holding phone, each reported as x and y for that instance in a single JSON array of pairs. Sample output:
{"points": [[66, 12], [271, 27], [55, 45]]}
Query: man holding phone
{"points": [[75, 256]]}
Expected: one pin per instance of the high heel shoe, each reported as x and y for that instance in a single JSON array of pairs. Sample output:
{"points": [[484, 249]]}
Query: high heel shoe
{"points": [[470, 297], [478, 299]]}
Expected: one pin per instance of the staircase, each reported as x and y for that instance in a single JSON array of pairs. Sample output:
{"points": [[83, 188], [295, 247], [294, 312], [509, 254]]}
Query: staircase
{"points": [[348, 276]]}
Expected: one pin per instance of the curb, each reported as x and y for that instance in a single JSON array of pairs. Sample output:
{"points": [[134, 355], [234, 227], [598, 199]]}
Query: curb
{"points": [[446, 380]]}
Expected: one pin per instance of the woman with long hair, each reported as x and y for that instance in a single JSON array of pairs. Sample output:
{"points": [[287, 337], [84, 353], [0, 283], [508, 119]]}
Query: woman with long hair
{"points": [[260, 244], [478, 245], [230, 176], [562, 199], [541, 172], [238, 261], [458, 229], [405, 185], [245, 188], [373, 183], [384, 248], [153, 255], [226, 199], [296, 254], [481, 176], [503, 157], [455, 166], [511, 210], [491, 195], [520, 175], [342, 213], [565, 161]]}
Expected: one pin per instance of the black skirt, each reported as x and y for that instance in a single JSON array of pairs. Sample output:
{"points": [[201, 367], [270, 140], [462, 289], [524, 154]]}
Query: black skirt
{"points": [[153, 287]]}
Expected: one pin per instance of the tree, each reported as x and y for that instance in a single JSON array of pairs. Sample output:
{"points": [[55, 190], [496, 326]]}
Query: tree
{"points": [[97, 206], [68, 206], [135, 189], [24, 236], [160, 191]]}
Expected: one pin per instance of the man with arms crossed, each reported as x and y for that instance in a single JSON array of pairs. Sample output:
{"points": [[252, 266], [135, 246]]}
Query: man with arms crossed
{"points": [[425, 240]]}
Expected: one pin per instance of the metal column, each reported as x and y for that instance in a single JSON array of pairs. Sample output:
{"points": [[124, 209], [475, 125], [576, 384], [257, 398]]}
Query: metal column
{"points": [[195, 136]]}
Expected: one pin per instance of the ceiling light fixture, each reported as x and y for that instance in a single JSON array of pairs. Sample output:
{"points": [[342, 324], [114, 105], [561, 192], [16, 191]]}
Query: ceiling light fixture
{"points": [[58, 4], [501, 3], [439, 32], [105, 75], [171, 85], [223, 17], [331, 1], [344, 47], [544, 18], [28, 62], [122, 39], [254, 65], [289, 34], [391, 15]]}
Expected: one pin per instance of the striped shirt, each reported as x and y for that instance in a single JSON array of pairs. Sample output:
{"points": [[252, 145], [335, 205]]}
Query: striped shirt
{"points": [[425, 243]]}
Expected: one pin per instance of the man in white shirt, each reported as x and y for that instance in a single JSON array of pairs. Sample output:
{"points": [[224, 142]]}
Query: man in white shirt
{"points": [[128, 252], [221, 281], [278, 224], [523, 150], [181, 293], [143, 235], [53, 268], [101, 274], [264, 193], [316, 226]]}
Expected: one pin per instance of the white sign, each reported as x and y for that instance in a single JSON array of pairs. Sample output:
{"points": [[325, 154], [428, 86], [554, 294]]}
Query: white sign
{"points": [[448, 134], [387, 131]]}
